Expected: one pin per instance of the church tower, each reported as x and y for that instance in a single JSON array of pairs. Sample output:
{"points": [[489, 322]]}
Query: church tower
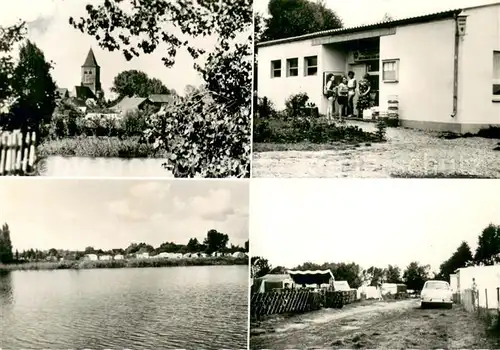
{"points": [[91, 74]]}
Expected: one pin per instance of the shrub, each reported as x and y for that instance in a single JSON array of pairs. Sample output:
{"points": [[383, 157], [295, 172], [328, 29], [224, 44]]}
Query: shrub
{"points": [[134, 123], [381, 129], [265, 109], [295, 104]]}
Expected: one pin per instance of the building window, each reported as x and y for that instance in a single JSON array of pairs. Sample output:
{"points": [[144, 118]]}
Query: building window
{"points": [[311, 65], [276, 69], [390, 71], [292, 67], [496, 75]]}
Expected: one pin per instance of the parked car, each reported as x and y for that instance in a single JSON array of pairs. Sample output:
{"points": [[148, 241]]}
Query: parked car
{"points": [[436, 293]]}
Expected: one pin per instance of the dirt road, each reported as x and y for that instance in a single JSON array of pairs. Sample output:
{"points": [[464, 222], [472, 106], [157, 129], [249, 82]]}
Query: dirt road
{"points": [[407, 151], [396, 325]]}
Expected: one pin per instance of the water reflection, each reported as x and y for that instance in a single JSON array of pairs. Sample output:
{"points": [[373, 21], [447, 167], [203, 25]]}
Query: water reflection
{"points": [[195, 307], [6, 288]]}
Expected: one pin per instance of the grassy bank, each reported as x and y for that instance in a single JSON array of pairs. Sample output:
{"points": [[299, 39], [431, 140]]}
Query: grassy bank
{"points": [[99, 146], [130, 263]]}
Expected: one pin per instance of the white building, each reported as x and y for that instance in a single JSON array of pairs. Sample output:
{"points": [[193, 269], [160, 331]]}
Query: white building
{"points": [[240, 255], [91, 257], [105, 257], [487, 280], [442, 68], [118, 257], [142, 255]]}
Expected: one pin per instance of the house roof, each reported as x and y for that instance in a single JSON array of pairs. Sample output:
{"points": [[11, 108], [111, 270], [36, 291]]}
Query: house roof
{"points": [[90, 61], [62, 91], [128, 104], [84, 92], [385, 24], [161, 98]]}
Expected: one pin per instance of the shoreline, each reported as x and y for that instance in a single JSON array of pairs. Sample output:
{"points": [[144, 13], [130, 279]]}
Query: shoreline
{"points": [[125, 263]]}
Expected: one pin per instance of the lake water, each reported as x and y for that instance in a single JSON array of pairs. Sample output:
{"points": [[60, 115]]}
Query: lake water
{"points": [[107, 167], [202, 307]]}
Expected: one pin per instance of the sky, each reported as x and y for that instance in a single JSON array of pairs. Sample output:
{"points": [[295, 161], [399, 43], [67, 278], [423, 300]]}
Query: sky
{"points": [[107, 214], [369, 222], [67, 47], [359, 12]]}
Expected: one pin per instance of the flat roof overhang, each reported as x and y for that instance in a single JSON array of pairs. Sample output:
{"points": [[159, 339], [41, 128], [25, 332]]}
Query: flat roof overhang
{"points": [[367, 34]]}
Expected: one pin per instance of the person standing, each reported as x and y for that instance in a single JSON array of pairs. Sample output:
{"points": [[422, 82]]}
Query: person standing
{"points": [[352, 86], [364, 99], [331, 95], [342, 98]]}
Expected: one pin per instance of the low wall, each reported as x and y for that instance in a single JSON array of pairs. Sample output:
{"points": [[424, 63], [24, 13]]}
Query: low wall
{"points": [[104, 167]]}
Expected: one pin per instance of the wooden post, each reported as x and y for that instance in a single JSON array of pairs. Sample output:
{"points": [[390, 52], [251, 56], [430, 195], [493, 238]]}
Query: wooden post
{"points": [[26, 154], [32, 156], [8, 161], [486, 297], [3, 155], [19, 159], [498, 298]]}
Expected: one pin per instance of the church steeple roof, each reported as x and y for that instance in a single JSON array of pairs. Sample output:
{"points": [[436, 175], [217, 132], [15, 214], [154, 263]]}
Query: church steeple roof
{"points": [[90, 61]]}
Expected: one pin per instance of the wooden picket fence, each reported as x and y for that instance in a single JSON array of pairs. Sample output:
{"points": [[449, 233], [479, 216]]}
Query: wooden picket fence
{"points": [[283, 301], [17, 152], [297, 301]]}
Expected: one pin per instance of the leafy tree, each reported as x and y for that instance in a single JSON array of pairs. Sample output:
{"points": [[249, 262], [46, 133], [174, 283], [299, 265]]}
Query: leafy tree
{"points": [[35, 89], [134, 82], [259, 266], [289, 18], [392, 274], [6, 255], [193, 245], [89, 250], [215, 241], [278, 270], [374, 276], [9, 36], [460, 258], [17, 255], [415, 275], [207, 137], [387, 17], [53, 252], [488, 246]]}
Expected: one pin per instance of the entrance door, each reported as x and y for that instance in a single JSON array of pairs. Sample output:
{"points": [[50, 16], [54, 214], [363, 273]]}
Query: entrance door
{"points": [[359, 71]]}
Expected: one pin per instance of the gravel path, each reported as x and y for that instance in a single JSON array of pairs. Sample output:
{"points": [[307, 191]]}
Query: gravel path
{"points": [[407, 151], [381, 325]]}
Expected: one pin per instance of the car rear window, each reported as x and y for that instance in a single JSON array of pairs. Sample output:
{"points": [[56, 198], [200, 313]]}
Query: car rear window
{"points": [[436, 285]]}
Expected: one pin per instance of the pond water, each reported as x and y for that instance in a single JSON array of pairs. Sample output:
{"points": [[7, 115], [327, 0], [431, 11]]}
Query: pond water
{"points": [[149, 308], [107, 167]]}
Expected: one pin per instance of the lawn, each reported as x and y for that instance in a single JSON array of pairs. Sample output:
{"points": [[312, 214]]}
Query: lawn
{"points": [[407, 153]]}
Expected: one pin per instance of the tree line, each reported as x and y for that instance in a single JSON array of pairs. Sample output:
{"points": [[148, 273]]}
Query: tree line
{"points": [[414, 275], [214, 241]]}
